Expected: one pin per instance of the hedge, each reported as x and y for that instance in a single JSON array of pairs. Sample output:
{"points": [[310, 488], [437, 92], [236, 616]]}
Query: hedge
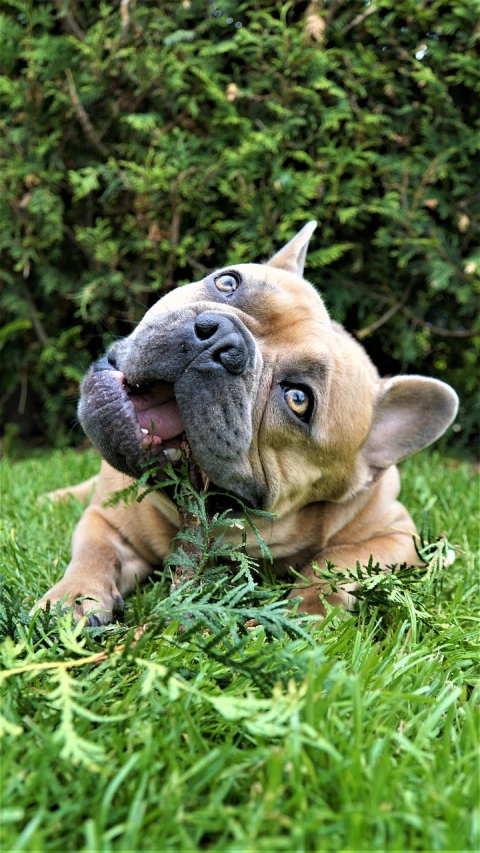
{"points": [[143, 143]]}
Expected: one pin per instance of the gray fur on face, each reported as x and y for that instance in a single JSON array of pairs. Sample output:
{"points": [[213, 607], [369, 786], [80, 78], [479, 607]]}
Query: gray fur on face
{"points": [[214, 365], [108, 418]]}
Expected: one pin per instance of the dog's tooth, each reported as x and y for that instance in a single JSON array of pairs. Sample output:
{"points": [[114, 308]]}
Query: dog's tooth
{"points": [[173, 453], [145, 431]]}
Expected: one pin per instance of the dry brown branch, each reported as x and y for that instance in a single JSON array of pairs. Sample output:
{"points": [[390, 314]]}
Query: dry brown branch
{"points": [[315, 25], [68, 22], [437, 330], [417, 321], [83, 117], [397, 305], [97, 658], [367, 330], [359, 19], [36, 322], [333, 7], [23, 394], [174, 234], [196, 264], [190, 521], [430, 170], [71, 236], [124, 17]]}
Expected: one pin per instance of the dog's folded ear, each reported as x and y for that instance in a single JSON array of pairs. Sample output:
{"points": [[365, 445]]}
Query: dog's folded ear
{"points": [[410, 413], [292, 256]]}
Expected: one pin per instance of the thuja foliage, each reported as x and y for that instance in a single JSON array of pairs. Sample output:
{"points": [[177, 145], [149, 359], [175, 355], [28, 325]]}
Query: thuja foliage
{"points": [[214, 716], [144, 143]]}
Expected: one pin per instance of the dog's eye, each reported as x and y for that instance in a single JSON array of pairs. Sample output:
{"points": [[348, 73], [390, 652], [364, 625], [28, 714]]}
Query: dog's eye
{"points": [[227, 283], [299, 401]]}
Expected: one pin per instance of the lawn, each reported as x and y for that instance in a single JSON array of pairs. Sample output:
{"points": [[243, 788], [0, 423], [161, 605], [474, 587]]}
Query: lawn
{"points": [[360, 733]]}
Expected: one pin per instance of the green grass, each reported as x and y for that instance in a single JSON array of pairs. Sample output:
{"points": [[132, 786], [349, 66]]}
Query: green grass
{"points": [[358, 734]]}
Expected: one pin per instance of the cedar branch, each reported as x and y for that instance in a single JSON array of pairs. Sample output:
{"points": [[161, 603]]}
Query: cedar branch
{"points": [[189, 520], [83, 117], [68, 22], [359, 19]]}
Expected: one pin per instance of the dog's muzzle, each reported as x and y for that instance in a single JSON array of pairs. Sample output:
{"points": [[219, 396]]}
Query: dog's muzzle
{"points": [[185, 375], [227, 346]]}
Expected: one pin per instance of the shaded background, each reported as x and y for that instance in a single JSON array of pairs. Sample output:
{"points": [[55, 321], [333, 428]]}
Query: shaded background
{"points": [[145, 143]]}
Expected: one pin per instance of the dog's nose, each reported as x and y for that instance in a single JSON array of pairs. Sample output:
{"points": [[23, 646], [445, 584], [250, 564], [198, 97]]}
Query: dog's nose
{"points": [[227, 346], [206, 325]]}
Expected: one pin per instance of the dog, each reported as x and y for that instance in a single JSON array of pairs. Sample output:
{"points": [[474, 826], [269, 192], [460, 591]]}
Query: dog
{"points": [[280, 406]]}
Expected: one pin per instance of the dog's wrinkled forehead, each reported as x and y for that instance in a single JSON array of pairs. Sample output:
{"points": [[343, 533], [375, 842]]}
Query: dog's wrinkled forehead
{"points": [[271, 296], [268, 299]]}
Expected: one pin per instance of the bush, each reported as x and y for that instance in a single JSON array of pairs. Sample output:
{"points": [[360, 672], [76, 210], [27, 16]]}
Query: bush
{"points": [[144, 143]]}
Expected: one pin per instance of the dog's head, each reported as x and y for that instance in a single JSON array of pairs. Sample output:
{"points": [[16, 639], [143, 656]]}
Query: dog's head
{"points": [[280, 406]]}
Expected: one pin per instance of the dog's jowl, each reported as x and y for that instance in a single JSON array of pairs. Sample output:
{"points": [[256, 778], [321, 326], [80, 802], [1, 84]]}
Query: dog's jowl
{"points": [[280, 406]]}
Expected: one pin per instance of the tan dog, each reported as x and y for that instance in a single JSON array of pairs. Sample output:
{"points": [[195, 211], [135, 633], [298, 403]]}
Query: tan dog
{"points": [[280, 406]]}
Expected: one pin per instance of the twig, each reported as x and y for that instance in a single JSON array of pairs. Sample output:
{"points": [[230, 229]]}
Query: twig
{"points": [[99, 657], [36, 322], [351, 97], [124, 17], [446, 257], [174, 234], [397, 306], [196, 264], [437, 330], [315, 25], [83, 117], [68, 22], [425, 180], [333, 6], [190, 521], [359, 19], [23, 394], [367, 330], [71, 236]]}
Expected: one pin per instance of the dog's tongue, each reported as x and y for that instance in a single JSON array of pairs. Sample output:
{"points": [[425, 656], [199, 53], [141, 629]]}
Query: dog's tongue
{"points": [[166, 419], [158, 408]]}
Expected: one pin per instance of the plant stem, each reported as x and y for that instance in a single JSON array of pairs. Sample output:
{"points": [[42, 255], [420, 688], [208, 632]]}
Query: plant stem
{"points": [[190, 521]]}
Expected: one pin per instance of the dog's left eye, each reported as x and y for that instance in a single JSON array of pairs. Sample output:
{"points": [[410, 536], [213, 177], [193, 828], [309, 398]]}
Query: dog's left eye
{"points": [[227, 283], [299, 401]]}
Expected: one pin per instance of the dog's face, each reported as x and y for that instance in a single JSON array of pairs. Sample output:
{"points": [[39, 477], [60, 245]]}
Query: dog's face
{"points": [[280, 406]]}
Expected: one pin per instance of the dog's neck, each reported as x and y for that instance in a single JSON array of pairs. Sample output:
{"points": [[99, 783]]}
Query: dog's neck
{"points": [[313, 525]]}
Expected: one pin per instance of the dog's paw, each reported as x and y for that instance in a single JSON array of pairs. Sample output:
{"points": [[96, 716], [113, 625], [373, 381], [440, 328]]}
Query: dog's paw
{"points": [[101, 605], [315, 597]]}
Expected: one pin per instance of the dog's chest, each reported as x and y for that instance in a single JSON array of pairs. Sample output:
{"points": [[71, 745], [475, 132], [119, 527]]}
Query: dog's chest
{"points": [[292, 540]]}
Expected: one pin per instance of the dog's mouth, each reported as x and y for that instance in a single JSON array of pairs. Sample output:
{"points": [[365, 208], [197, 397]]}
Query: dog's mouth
{"points": [[159, 419], [134, 425], [163, 434]]}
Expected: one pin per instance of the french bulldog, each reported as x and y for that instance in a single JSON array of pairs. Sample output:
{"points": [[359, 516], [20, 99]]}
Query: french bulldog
{"points": [[280, 406]]}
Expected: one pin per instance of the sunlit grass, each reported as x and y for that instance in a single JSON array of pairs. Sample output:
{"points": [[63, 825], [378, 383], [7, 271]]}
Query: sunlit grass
{"points": [[358, 734]]}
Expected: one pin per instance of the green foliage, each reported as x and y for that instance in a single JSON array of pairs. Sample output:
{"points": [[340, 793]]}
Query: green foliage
{"points": [[204, 728], [143, 143]]}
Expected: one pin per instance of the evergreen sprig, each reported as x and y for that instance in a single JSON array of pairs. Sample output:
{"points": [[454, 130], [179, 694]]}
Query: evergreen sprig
{"points": [[136, 157]]}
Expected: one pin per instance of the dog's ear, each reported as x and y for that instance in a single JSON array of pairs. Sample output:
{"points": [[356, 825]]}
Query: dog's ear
{"points": [[292, 256], [410, 413]]}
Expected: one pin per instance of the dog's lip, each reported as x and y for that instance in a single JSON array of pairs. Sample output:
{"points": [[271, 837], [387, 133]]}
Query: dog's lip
{"points": [[108, 389]]}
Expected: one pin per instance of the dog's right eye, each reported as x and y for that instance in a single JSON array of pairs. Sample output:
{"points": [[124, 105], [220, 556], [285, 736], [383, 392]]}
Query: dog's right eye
{"points": [[227, 283], [299, 400]]}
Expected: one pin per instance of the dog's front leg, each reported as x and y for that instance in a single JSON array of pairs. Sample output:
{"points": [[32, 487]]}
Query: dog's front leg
{"points": [[387, 550], [104, 567]]}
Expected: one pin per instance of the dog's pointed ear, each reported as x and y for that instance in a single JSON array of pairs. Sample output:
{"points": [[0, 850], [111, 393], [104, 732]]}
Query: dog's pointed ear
{"points": [[292, 256], [410, 413]]}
